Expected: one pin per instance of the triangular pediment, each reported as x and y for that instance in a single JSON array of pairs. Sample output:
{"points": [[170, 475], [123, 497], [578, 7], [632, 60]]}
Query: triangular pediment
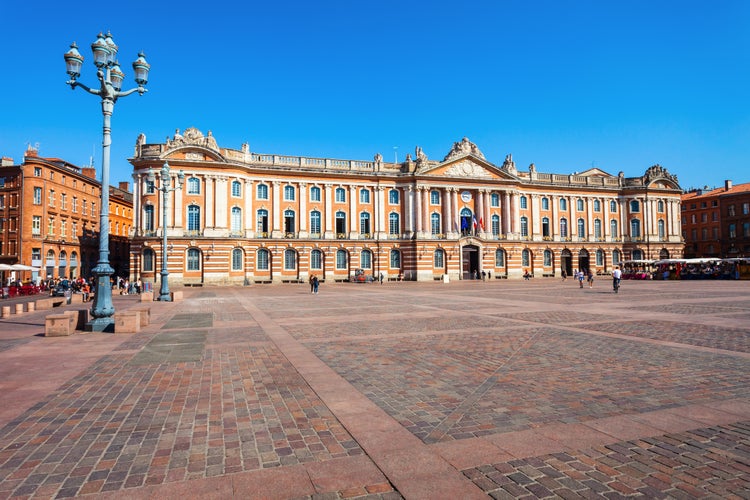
{"points": [[467, 166], [594, 172]]}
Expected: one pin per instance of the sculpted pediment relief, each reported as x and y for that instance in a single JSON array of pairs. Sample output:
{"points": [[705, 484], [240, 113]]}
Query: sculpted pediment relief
{"points": [[470, 168], [467, 168]]}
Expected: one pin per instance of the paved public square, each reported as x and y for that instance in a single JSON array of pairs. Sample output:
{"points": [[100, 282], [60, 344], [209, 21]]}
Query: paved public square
{"points": [[471, 389]]}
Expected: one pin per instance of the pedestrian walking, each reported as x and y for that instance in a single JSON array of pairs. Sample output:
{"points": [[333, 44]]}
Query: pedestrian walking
{"points": [[315, 284], [591, 279]]}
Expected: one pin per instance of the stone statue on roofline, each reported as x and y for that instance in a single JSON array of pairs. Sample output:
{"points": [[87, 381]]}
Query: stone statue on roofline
{"points": [[463, 147]]}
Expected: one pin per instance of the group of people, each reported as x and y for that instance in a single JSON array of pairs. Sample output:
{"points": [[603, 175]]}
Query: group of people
{"points": [[580, 275], [127, 287]]}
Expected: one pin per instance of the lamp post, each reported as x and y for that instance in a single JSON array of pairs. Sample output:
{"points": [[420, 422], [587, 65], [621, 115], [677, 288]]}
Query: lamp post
{"points": [[110, 82], [165, 186]]}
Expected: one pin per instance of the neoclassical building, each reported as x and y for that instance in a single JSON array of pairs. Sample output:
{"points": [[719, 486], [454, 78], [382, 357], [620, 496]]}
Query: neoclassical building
{"points": [[243, 217]]}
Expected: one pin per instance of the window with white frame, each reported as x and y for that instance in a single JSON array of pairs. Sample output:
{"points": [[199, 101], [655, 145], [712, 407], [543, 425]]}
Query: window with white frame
{"points": [[315, 193], [660, 206], [563, 227], [525, 258], [494, 200], [545, 203], [616, 257], [613, 206], [289, 193], [314, 222], [148, 218], [395, 260], [364, 223], [341, 259], [581, 228], [600, 258], [36, 225], [635, 228], [547, 258], [524, 202], [193, 259], [597, 206], [236, 189], [364, 195], [148, 259], [394, 225], [316, 260], [289, 222], [365, 259], [435, 224], [499, 257], [579, 205], [563, 204], [524, 227], [613, 228], [495, 225], [262, 260], [290, 259], [262, 221], [635, 206], [434, 197], [237, 259], [194, 185], [236, 222], [545, 227], [37, 195], [340, 195], [194, 218], [597, 228], [393, 197], [439, 259], [261, 191]]}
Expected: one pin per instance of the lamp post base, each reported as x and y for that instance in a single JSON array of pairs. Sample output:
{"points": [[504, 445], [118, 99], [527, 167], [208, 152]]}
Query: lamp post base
{"points": [[103, 309], [164, 294], [100, 325]]}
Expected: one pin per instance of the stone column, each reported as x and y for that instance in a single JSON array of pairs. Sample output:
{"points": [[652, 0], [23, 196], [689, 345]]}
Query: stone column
{"points": [[249, 215], [516, 213], [380, 212], [276, 211], [505, 229], [221, 200], [554, 224], [536, 218], [447, 227], [418, 211], [455, 222], [303, 215], [209, 202], [328, 216], [589, 218], [477, 210], [137, 204], [353, 216]]}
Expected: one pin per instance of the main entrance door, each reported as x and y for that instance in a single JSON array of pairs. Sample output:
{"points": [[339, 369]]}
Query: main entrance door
{"points": [[470, 261]]}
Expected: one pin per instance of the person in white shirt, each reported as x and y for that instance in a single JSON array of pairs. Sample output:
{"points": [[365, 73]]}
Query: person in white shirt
{"points": [[616, 275]]}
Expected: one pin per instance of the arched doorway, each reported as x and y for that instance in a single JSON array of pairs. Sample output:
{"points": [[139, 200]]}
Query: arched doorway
{"points": [[663, 254], [469, 262], [467, 225], [583, 260], [566, 262]]}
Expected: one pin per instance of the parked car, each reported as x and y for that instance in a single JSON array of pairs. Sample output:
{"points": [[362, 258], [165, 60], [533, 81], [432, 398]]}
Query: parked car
{"points": [[61, 289]]}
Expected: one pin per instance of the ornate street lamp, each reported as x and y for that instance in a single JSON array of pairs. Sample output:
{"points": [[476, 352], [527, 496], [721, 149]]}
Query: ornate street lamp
{"points": [[110, 81], [165, 186]]}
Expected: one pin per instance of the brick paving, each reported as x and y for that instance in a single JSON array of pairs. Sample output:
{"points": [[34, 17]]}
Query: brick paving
{"points": [[471, 389]]}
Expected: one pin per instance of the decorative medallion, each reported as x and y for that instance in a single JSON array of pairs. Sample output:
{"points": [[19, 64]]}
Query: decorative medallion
{"points": [[466, 196]]}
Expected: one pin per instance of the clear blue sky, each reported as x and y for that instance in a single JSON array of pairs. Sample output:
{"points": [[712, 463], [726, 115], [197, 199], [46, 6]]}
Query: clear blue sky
{"points": [[564, 84]]}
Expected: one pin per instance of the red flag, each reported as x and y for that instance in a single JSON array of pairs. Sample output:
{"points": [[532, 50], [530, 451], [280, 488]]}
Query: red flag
{"points": [[481, 223]]}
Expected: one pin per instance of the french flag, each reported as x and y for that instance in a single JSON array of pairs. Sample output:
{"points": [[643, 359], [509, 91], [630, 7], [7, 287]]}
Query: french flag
{"points": [[475, 221]]}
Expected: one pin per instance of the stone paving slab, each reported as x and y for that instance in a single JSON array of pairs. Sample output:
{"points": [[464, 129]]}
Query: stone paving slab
{"points": [[495, 389]]}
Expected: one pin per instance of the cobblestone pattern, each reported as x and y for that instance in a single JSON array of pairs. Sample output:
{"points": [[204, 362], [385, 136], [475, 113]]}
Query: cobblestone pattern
{"points": [[118, 426], [687, 309], [6, 345], [444, 387], [704, 463], [714, 336]]}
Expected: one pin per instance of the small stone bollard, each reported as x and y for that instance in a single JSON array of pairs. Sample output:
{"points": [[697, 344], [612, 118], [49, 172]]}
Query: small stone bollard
{"points": [[6, 312], [19, 308], [31, 306]]}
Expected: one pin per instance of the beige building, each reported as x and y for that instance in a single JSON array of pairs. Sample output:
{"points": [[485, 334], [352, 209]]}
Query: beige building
{"points": [[243, 217]]}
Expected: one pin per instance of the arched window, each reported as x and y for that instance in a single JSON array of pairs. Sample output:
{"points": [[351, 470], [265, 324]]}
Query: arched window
{"points": [[545, 203], [635, 206], [290, 259], [635, 228], [524, 202], [262, 191], [262, 226], [236, 220], [439, 259], [341, 223], [581, 228], [600, 258], [524, 227], [548, 258], [289, 223], [563, 204], [315, 193], [315, 222], [365, 259], [393, 197], [613, 228], [545, 227], [193, 259], [364, 224], [236, 189], [395, 259], [597, 206], [613, 206], [148, 218], [289, 193], [637, 254], [434, 197], [564, 227], [597, 228], [340, 195], [364, 195], [394, 224], [341, 259], [579, 205], [316, 260], [499, 257], [494, 200], [194, 185], [237, 259], [525, 258], [495, 225], [262, 260], [148, 260], [435, 224], [466, 221], [616, 257], [660, 226], [660, 206], [194, 218]]}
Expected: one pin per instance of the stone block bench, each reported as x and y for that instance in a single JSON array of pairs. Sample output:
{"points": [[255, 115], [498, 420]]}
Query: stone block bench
{"points": [[59, 325], [49, 303], [145, 312], [128, 321]]}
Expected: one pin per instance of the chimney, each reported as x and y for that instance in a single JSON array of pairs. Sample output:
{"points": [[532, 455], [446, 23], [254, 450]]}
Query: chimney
{"points": [[6, 161], [89, 172], [727, 185], [125, 186]]}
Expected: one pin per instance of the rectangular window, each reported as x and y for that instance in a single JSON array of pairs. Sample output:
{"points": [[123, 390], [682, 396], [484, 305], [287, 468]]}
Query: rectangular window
{"points": [[364, 196], [74, 208], [36, 225], [51, 227], [314, 193], [64, 201], [340, 195], [732, 231], [93, 209], [37, 196], [745, 208], [37, 171], [52, 197], [730, 208], [63, 228], [434, 197]]}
